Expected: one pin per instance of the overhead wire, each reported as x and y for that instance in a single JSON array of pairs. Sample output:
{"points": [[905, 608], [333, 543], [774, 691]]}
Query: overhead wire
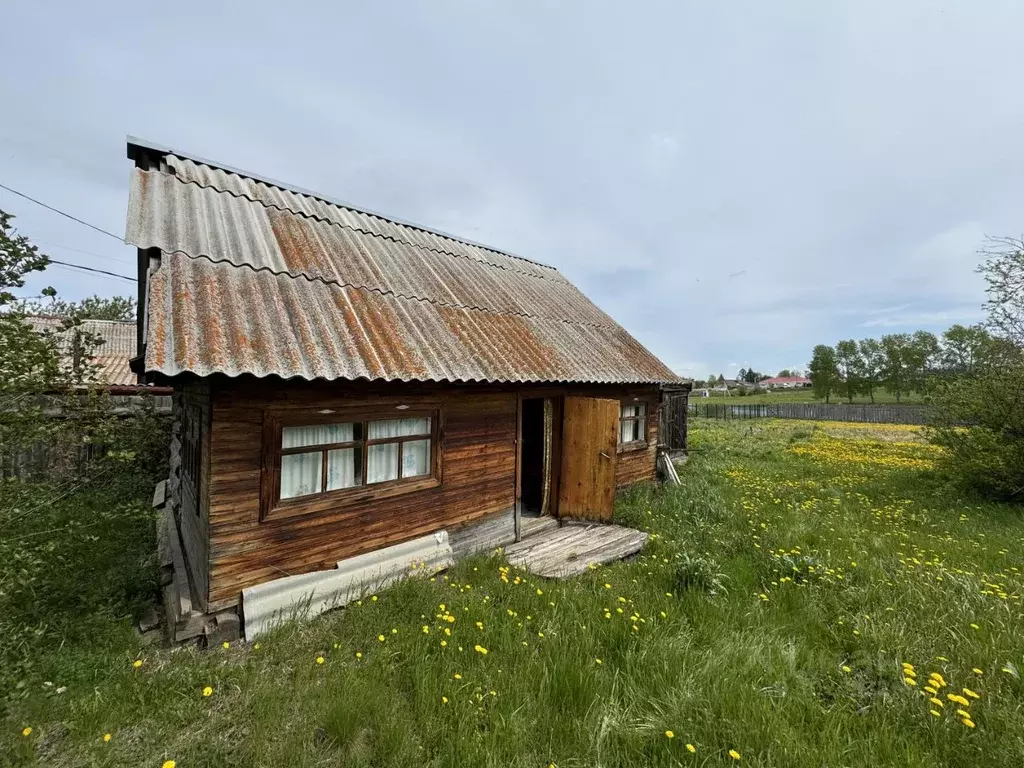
{"points": [[68, 264], [90, 269], [62, 213]]}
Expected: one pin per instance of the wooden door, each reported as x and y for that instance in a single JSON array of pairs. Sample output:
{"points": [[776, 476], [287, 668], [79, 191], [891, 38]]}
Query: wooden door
{"points": [[590, 433]]}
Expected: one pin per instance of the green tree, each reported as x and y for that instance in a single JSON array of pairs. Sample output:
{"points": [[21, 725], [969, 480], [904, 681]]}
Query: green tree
{"points": [[966, 349], [90, 308], [823, 371], [895, 368], [848, 363], [872, 361], [785, 373], [923, 357], [980, 407]]}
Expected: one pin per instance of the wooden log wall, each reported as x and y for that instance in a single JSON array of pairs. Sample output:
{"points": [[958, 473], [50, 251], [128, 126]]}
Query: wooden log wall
{"points": [[478, 470]]}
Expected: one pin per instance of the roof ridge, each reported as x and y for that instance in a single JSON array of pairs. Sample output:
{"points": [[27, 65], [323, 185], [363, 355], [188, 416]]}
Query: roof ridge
{"points": [[134, 141], [381, 292], [333, 222]]}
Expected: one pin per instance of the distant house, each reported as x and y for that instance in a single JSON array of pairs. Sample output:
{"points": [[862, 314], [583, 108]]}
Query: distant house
{"points": [[349, 385], [111, 357], [786, 382]]}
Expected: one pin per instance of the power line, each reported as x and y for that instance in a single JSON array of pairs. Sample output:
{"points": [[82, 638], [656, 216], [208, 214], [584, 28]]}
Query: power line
{"points": [[91, 269], [65, 215], [87, 253]]}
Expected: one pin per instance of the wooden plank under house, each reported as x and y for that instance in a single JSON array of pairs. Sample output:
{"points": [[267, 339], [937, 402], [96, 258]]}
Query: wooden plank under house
{"points": [[352, 391]]}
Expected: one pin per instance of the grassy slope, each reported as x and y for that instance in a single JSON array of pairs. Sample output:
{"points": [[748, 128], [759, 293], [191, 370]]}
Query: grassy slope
{"points": [[890, 568]]}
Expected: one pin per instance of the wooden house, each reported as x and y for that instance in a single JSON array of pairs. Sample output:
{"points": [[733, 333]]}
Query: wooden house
{"points": [[345, 381]]}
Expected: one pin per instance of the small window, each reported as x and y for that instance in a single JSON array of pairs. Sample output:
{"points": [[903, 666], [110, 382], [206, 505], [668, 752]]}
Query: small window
{"points": [[313, 460], [633, 423]]}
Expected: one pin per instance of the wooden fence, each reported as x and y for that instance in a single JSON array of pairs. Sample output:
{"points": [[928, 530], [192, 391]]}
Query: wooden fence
{"points": [[59, 455], [872, 414]]}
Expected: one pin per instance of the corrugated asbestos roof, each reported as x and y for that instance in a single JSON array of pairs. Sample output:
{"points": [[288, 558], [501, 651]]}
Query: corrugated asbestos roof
{"points": [[260, 279], [111, 357]]}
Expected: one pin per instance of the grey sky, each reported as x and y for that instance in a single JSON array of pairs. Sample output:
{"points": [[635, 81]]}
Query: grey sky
{"points": [[734, 182]]}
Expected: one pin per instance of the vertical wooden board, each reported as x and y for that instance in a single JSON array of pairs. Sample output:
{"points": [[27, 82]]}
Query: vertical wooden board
{"points": [[589, 437]]}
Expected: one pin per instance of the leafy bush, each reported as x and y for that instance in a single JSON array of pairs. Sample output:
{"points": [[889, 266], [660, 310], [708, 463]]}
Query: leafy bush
{"points": [[980, 423], [980, 415]]}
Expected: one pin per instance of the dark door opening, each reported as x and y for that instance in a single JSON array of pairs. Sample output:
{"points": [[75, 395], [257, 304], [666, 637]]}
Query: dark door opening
{"points": [[532, 473]]}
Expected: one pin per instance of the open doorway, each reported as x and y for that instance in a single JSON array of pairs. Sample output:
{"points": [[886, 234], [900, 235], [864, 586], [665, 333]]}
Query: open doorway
{"points": [[532, 474]]}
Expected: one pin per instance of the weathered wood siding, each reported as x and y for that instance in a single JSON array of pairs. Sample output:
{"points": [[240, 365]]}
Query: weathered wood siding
{"points": [[478, 455]]}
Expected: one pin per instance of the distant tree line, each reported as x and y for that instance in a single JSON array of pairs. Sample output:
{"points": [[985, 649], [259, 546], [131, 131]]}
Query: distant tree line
{"points": [[902, 363]]}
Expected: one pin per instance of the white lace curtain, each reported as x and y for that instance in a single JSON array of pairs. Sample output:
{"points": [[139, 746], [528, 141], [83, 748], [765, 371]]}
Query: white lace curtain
{"points": [[302, 473]]}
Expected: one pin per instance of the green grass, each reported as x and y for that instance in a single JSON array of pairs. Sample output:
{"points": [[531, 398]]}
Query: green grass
{"points": [[789, 556], [882, 397]]}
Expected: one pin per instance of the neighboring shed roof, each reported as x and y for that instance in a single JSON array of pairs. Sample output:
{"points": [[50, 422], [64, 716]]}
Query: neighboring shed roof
{"points": [[111, 357], [262, 279]]}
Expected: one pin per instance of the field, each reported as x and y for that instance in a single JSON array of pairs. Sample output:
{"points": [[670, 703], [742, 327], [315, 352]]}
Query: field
{"points": [[812, 596], [807, 396]]}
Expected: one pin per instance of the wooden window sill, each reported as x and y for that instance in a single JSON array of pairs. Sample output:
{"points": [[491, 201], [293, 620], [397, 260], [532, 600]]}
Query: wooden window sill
{"points": [[636, 445], [337, 501]]}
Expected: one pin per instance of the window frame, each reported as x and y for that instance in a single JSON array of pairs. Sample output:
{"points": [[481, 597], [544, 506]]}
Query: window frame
{"points": [[643, 442], [272, 506]]}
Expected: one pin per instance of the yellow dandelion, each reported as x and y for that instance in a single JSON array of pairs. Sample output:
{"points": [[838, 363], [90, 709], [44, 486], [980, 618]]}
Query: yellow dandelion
{"points": [[394, 631], [930, 690], [380, 638], [968, 722], [690, 748], [444, 699], [480, 649], [935, 713], [977, 671], [598, 661], [374, 598], [457, 676], [669, 734], [607, 586], [426, 630], [169, 764], [964, 713], [225, 644], [359, 654], [207, 691], [734, 754], [936, 702], [958, 699], [972, 694], [909, 681], [540, 591], [26, 731], [319, 659], [256, 646], [975, 626], [444, 643], [137, 663], [107, 737]]}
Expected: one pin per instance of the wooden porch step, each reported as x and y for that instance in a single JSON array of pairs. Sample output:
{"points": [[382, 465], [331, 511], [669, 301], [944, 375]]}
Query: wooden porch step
{"points": [[571, 549], [531, 526]]}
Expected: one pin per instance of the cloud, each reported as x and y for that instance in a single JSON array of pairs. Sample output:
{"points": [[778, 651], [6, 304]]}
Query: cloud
{"points": [[730, 183]]}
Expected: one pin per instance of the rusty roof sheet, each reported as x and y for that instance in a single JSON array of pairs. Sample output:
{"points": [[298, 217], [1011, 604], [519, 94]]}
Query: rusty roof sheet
{"points": [[111, 358], [261, 279]]}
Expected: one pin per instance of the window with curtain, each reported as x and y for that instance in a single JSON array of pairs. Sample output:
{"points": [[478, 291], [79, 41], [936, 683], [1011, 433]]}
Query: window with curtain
{"points": [[323, 458], [632, 423]]}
